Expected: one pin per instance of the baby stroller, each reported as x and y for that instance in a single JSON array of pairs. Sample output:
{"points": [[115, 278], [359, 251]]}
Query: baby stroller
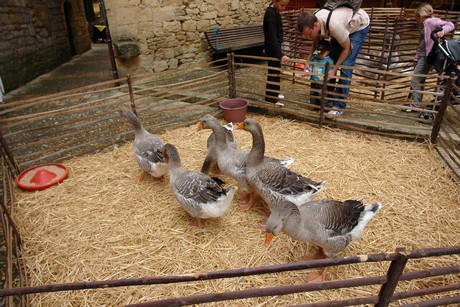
{"points": [[447, 62]]}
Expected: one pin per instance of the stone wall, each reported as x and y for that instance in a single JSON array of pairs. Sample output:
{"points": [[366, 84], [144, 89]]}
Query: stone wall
{"points": [[34, 38], [170, 33]]}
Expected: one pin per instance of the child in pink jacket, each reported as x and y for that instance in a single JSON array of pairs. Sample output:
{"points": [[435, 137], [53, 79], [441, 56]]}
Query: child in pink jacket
{"points": [[423, 64]]}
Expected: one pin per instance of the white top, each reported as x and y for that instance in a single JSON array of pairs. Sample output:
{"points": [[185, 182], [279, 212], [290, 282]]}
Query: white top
{"points": [[342, 22]]}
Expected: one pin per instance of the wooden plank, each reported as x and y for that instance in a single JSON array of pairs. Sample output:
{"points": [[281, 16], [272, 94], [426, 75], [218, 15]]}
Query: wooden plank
{"points": [[238, 38]]}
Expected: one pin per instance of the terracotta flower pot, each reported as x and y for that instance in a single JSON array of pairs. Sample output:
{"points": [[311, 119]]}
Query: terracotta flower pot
{"points": [[234, 109]]}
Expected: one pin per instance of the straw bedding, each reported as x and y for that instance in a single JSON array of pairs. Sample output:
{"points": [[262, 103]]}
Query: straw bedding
{"points": [[99, 224]]}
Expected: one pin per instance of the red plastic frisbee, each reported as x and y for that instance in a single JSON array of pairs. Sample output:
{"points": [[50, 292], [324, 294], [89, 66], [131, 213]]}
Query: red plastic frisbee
{"points": [[42, 177]]}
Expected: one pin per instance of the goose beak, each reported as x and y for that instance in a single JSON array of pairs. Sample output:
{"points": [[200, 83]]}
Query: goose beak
{"points": [[268, 239], [240, 126], [200, 127]]}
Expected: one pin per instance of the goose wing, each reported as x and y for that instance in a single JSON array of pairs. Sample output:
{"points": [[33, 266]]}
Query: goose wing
{"points": [[337, 217], [282, 180], [198, 187], [149, 148]]}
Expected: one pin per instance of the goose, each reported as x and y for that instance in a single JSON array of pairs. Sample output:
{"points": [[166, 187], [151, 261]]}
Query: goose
{"points": [[232, 161], [210, 162], [147, 148], [330, 224], [197, 193], [271, 181]]}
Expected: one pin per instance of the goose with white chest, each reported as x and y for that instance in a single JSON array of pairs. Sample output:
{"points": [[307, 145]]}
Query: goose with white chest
{"points": [[271, 181], [330, 224], [147, 148], [197, 193], [231, 160]]}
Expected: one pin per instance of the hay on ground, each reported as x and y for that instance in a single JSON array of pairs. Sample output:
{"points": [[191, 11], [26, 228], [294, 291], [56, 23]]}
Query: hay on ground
{"points": [[99, 224]]}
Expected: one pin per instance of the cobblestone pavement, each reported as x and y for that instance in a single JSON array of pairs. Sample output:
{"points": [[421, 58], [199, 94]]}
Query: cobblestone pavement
{"points": [[91, 67]]}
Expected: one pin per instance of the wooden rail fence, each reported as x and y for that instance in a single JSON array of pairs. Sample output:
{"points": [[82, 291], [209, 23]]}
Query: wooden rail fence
{"points": [[85, 120]]}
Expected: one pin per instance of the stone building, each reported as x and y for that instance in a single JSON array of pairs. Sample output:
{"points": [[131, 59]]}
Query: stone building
{"points": [[170, 33], [37, 36]]}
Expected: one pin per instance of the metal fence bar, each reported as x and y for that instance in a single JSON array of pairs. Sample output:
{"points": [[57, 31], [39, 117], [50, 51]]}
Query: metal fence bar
{"points": [[435, 303], [282, 290], [300, 265]]}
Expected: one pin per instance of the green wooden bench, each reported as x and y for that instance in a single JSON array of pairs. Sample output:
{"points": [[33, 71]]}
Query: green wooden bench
{"points": [[242, 40]]}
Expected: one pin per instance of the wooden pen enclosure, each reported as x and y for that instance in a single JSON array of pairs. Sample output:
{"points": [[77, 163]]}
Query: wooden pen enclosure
{"points": [[97, 238]]}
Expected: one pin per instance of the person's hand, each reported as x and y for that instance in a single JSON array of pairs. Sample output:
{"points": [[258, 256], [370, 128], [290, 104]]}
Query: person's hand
{"points": [[332, 73], [284, 58], [440, 34], [306, 73]]}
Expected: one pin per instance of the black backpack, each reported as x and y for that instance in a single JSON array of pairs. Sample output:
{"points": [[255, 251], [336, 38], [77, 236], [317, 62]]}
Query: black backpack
{"points": [[331, 5]]}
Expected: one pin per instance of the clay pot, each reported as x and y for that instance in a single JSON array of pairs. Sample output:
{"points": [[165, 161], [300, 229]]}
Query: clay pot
{"points": [[234, 109]]}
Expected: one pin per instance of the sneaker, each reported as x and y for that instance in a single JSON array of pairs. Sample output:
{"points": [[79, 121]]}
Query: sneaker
{"points": [[333, 113], [280, 96], [412, 106], [279, 104]]}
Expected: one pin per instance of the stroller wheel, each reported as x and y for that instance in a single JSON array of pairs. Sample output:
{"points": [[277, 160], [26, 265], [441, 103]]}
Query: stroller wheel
{"points": [[426, 116]]}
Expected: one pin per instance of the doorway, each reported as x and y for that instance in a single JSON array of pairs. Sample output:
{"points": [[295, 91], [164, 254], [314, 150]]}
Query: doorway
{"points": [[68, 14]]}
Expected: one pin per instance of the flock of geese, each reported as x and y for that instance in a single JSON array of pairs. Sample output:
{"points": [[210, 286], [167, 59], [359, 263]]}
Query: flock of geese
{"points": [[330, 224]]}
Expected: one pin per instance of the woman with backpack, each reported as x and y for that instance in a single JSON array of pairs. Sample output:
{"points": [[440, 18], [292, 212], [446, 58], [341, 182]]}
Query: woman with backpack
{"points": [[347, 31]]}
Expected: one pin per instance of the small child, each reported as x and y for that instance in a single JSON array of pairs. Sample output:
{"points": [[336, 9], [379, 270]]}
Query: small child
{"points": [[320, 57]]}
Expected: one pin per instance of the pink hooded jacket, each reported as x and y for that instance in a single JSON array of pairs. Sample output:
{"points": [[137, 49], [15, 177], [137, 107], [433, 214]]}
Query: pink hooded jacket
{"points": [[429, 25]]}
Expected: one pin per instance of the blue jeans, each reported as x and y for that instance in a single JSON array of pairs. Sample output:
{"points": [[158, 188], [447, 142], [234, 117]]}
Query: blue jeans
{"points": [[422, 67], [357, 38]]}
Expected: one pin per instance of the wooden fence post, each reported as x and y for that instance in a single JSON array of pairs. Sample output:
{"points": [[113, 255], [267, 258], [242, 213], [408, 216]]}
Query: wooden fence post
{"points": [[389, 57], [441, 111], [231, 75], [323, 93], [131, 93], [7, 153], [113, 63], [394, 273]]}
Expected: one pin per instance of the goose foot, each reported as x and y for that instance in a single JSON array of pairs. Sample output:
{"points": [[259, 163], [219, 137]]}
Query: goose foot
{"points": [[263, 226], [317, 276], [139, 177], [198, 223], [319, 255], [320, 275], [161, 178], [245, 207], [249, 196], [244, 196], [267, 213]]}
